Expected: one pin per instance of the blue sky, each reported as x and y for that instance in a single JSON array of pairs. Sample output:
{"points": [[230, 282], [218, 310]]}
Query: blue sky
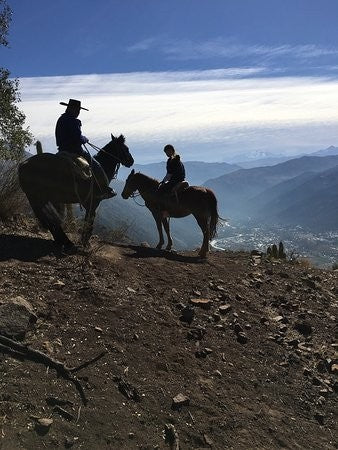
{"points": [[216, 78]]}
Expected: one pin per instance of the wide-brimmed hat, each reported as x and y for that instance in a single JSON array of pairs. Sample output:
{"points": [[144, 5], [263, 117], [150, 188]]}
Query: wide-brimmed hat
{"points": [[74, 104]]}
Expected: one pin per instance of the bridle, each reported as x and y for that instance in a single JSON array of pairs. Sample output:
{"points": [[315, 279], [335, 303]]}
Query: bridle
{"points": [[99, 149]]}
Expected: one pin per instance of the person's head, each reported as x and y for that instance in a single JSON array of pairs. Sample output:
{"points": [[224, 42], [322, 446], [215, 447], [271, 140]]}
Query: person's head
{"points": [[169, 150], [73, 107]]}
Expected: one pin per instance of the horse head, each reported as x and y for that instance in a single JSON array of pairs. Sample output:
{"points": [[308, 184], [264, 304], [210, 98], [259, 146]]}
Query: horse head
{"points": [[130, 186], [118, 150]]}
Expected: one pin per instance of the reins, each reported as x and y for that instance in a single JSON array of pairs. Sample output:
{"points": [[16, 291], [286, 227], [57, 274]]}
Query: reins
{"points": [[98, 149]]}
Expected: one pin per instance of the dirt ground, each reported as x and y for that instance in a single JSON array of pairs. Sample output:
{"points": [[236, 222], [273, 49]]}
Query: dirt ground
{"points": [[234, 352]]}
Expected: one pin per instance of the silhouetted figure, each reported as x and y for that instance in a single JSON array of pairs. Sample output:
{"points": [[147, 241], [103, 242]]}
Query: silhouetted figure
{"points": [[175, 170], [69, 138]]}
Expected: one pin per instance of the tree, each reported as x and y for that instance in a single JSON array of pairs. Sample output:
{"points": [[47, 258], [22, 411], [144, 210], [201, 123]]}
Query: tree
{"points": [[13, 136], [5, 18]]}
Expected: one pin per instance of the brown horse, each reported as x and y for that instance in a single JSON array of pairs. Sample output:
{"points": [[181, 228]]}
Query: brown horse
{"points": [[48, 180], [196, 200]]}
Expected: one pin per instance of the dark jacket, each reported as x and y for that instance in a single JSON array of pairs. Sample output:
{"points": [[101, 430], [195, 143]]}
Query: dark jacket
{"points": [[176, 168], [68, 134]]}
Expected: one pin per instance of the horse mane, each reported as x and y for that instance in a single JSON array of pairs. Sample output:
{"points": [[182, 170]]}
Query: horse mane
{"points": [[146, 178]]}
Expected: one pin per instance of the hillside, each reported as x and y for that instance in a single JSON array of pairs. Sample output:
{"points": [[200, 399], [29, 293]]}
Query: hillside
{"points": [[310, 200], [236, 191], [235, 352]]}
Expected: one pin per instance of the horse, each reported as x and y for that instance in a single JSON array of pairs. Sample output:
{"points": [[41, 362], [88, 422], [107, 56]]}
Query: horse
{"points": [[199, 201], [48, 181]]}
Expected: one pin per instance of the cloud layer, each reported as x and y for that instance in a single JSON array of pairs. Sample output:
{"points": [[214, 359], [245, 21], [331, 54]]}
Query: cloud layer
{"points": [[209, 114]]}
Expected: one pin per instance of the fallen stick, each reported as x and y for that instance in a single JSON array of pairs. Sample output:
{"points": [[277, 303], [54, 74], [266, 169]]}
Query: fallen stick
{"points": [[22, 351], [87, 363]]}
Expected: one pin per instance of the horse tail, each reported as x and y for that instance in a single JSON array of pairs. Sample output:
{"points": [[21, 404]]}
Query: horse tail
{"points": [[214, 217], [46, 213]]}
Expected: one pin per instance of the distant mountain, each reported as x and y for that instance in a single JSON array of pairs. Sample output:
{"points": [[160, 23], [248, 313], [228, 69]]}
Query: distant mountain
{"points": [[197, 172], [268, 161], [261, 159], [330, 151], [236, 191], [312, 203]]}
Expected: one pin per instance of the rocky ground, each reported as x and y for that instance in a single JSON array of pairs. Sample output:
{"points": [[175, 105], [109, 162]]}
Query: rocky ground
{"points": [[235, 352]]}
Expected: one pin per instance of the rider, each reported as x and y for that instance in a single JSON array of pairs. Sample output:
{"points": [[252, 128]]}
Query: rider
{"points": [[175, 170], [70, 139]]}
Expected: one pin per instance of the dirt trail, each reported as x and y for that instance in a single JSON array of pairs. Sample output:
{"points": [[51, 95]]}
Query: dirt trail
{"points": [[250, 347]]}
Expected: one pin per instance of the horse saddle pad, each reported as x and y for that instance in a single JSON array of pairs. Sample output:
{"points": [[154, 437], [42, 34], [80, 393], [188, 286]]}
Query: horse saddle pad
{"points": [[80, 166]]}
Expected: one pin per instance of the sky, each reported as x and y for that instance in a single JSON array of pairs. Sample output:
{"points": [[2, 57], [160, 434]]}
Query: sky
{"points": [[221, 80]]}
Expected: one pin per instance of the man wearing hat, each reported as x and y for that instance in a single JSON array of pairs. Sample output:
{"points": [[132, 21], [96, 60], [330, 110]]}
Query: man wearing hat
{"points": [[69, 138]]}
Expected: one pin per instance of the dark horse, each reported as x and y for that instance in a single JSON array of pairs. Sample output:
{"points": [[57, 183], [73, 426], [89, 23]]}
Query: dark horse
{"points": [[196, 200], [48, 181]]}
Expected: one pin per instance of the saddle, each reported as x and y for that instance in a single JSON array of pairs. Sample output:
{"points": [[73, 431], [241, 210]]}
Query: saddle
{"points": [[179, 187], [80, 166]]}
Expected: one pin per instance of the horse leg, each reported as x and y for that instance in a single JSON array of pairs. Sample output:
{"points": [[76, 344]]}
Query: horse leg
{"points": [[165, 223], [49, 219], [88, 224], [157, 217], [203, 223]]}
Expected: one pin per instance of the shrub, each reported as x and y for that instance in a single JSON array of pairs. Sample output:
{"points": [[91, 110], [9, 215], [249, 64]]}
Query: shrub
{"points": [[12, 199]]}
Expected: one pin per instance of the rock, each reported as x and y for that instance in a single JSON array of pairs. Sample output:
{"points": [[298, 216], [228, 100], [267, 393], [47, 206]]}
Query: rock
{"points": [[303, 327], [180, 400], [242, 338], [321, 401], [171, 436], [320, 417], [218, 374], [42, 425], [196, 334], [223, 309], [58, 284], [131, 290], [203, 353], [334, 369], [278, 318], [204, 303], [16, 317], [187, 314], [238, 328]]}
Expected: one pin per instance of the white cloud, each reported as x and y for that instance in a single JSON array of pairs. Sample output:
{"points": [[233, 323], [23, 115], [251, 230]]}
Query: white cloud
{"points": [[228, 48], [197, 110]]}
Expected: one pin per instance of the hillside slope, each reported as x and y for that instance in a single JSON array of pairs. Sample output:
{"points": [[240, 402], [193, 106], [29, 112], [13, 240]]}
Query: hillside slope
{"points": [[255, 362]]}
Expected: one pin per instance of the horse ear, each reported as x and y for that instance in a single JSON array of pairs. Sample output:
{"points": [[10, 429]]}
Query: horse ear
{"points": [[122, 138], [112, 136]]}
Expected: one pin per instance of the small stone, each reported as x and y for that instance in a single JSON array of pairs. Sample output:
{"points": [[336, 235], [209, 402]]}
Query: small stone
{"points": [[320, 417], [321, 401], [42, 425], [131, 435], [98, 329], [187, 315], [204, 303], [334, 369], [131, 290], [218, 374], [278, 318], [224, 309], [180, 400], [303, 328], [237, 328], [58, 284], [306, 372], [242, 338]]}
